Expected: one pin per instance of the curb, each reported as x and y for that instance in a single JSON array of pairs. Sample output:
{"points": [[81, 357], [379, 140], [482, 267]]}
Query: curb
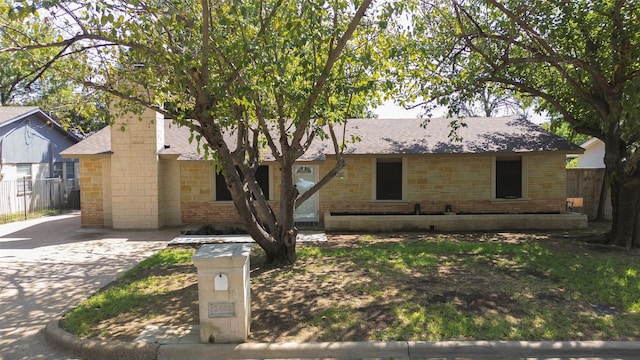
{"points": [[523, 349], [319, 350], [400, 350], [97, 349], [403, 350]]}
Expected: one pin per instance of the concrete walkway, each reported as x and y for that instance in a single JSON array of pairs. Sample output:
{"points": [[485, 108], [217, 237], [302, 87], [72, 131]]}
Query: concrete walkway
{"points": [[48, 265]]}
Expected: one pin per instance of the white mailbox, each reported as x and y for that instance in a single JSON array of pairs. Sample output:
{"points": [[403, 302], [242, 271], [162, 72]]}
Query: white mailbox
{"points": [[221, 282], [224, 292]]}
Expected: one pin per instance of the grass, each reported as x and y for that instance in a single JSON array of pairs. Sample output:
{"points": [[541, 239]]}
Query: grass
{"points": [[145, 283], [409, 287], [537, 310], [8, 218]]}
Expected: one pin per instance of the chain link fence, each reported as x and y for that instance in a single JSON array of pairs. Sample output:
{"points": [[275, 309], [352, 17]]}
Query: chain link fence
{"points": [[26, 198]]}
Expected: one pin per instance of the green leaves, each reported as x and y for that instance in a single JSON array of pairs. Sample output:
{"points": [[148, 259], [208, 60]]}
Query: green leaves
{"points": [[567, 54]]}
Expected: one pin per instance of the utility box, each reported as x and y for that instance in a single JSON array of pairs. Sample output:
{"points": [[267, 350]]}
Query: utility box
{"points": [[224, 292]]}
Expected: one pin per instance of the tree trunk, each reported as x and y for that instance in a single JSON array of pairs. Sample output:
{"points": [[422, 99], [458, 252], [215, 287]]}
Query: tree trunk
{"points": [[279, 247], [625, 215], [602, 201], [625, 196], [635, 243], [279, 241], [275, 235], [284, 250]]}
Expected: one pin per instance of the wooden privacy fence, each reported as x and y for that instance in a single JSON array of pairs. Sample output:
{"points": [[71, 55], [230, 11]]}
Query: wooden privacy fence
{"points": [[584, 187], [22, 197]]}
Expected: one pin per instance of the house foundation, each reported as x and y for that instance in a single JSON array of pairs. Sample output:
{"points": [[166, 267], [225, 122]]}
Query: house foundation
{"points": [[453, 222]]}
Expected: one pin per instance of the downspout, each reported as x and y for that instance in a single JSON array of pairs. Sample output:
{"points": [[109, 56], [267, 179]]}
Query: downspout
{"points": [[50, 160], [52, 190]]}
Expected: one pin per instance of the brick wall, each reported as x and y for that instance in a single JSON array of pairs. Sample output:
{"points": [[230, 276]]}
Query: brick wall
{"points": [[433, 181], [135, 171], [196, 196], [91, 200], [195, 182], [170, 191], [209, 213]]}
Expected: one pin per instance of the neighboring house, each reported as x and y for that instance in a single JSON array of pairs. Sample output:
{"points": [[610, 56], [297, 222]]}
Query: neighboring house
{"points": [[586, 188], [593, 157], [150, 176], [30, 146]]}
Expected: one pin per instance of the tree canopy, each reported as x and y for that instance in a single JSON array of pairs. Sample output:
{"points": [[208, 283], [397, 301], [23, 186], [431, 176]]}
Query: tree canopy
{"points": [[24, 81], [272, 75], [279, 75], [579, 59]]}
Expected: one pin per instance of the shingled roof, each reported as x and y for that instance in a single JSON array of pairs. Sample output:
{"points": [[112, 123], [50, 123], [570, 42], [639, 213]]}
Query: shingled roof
{"points": [[8, 113], [388, 136], [478, 135]]}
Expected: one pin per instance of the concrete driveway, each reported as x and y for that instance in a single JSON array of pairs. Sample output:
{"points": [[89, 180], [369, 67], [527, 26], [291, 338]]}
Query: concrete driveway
{"points": [[49, 265]]}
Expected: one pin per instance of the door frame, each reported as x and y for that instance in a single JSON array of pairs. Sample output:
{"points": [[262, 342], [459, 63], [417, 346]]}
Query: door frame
{"points": [[308, 217]]}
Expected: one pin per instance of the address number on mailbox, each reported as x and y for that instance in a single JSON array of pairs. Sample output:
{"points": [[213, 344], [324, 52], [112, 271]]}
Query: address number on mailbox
{"points": [[219, 309]]}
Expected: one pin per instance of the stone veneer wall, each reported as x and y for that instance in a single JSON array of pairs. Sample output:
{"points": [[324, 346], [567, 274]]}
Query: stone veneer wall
{"points": [[135, 171], [170, 191], [197, 196], [432, 181], [93, 180], [196, 199]]}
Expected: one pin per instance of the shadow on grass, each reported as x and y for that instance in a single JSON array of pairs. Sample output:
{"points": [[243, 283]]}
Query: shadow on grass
{"points": [[448, 287]]}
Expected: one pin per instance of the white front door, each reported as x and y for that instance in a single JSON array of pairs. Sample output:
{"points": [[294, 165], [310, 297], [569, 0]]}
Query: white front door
{"points": [[304, 177]]}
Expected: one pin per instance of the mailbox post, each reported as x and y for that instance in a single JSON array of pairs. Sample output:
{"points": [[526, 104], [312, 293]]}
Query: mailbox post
{"points": [[224, 292]]}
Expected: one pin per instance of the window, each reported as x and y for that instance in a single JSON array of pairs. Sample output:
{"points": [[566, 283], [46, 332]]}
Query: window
{"points": [[57, 170], [508, 178], [70, 171], [64, 170], [262, 177], [389, 179], [25, 184], [222, 193]]}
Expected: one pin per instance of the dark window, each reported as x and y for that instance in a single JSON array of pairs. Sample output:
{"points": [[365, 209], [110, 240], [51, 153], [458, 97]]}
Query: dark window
{"points": [[262, 177], [389, 179], [508, 179], [222, 193]]}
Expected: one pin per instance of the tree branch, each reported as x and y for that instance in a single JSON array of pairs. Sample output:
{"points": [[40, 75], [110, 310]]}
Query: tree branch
{"points": [[522, 87], [305, 113], [340, 163]]}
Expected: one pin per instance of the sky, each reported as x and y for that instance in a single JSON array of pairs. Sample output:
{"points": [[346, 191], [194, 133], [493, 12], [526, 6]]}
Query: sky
{"points": [[389, 110]]}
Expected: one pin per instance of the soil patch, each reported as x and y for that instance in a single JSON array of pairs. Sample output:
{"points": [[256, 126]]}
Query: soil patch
{"points": [[303, 303]]}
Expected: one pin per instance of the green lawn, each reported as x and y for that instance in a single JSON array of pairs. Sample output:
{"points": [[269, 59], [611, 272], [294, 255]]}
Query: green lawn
{"points": [[407, 287]]}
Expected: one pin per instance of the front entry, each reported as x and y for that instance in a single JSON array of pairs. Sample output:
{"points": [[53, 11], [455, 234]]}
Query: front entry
{"points": [[304, 177]]}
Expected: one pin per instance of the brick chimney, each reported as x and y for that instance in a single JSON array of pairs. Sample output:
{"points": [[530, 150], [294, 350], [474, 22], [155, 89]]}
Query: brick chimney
{"points": [[135, 170]]}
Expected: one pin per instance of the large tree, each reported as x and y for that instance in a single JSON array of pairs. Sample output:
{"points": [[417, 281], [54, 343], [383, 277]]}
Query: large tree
{"points": [[580, 59], [15, 68], [23, 80], [245, 76]]}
